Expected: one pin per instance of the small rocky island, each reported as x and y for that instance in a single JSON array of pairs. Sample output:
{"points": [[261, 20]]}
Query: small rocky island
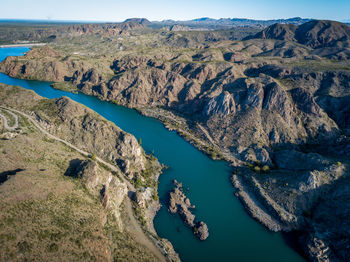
{"points": [[179, 203]]}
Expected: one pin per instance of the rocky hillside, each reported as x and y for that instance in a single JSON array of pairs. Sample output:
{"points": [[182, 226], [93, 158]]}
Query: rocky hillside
{"points": [[108, 29], [49, 65], [316, 33], [87, 211], [17, 32]]}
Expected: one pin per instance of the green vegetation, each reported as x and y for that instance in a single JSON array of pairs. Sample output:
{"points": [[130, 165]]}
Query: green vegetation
{"points": [[65, 86], [92, 156], [320, 66], [10, 119], [265, 168], [138, 183], [257, 169], [155, 196], [48, 109]]}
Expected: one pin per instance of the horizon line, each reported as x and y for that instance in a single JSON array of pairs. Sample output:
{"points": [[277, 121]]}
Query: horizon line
{"points": [[115, 21]]}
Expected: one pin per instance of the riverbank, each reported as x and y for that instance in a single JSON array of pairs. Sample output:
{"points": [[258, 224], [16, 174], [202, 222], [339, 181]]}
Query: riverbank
{"points": [[29, 130], [22, 45]]}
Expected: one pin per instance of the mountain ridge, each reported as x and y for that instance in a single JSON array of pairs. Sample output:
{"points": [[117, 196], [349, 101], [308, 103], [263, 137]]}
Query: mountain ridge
{"points": [[315, 33], [231, 22]]}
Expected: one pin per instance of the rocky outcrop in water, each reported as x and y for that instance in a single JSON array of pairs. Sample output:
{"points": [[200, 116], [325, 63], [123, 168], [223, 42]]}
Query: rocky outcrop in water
{"points": [[179, 203], [201, 230]]}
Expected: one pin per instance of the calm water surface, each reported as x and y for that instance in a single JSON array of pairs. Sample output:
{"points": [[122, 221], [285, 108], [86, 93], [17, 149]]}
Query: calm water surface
{"points": [[234, 236]]}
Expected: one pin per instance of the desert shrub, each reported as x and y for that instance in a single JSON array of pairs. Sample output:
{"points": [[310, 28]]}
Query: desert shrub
{"points": [[265, 168], [93, 156], [257, 168], [138, 183], [155, 196]]}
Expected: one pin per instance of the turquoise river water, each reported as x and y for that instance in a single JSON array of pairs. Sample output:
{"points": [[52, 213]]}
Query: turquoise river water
{"points": [[234, 236]]}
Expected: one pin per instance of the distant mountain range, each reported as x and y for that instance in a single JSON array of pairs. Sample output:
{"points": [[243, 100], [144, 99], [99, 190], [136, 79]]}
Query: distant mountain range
{"points": [[207, 22], [198, 23]]}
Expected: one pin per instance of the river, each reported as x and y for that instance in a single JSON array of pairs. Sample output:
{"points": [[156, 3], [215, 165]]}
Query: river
{"points": [[234, 236]]}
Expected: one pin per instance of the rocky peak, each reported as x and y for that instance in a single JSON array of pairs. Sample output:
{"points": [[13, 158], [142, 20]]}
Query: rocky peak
{"points": [[175, 28], [316, 33], [279, 32], [276, 100], [221, 105], [322, 33], [305, 102], [141, 21], [45, 51]]}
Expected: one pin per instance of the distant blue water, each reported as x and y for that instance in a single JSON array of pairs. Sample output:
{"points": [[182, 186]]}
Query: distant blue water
{"points": [[234, 236]]}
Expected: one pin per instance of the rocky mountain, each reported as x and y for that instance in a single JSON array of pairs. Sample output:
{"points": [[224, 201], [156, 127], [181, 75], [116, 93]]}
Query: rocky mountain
{"points": [[316, 33], [48, 32], [108, 29], [55, 67], [222, 23], [175, 28]]}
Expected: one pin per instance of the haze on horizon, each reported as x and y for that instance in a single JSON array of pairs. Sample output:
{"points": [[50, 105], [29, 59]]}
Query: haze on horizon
{"points": [[114, 10]]}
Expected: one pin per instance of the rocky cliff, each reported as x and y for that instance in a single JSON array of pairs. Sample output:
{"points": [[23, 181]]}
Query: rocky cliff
{"points": [[80, 193]]}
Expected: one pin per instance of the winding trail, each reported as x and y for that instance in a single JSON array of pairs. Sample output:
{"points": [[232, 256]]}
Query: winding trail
{"points": [[4, 118], [134, 228]]}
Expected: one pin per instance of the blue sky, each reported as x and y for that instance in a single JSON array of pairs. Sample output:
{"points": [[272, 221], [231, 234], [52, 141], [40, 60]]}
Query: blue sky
{"points": [[115, 10]]}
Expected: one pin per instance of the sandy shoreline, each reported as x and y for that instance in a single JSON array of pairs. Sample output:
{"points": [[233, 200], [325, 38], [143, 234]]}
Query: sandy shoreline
{"points": [[22, 45]]}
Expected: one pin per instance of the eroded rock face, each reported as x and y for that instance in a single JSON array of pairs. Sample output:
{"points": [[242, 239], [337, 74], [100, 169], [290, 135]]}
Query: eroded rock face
{"points": [[48, 64], [223, 105], [295, 160], [179, 203], [109, 188], [315, 33], [85, 129], [323, 241], [251, 103], [87, 170]]}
